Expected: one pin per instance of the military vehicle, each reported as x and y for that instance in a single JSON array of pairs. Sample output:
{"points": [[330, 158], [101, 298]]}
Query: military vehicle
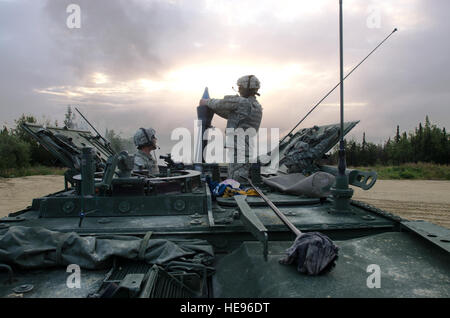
{"points": [[115, 232], [168, 236]]}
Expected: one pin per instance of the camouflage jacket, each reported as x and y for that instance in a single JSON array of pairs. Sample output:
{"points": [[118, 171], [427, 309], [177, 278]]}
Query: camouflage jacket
{"points": [[142, 161], [240, 112]]}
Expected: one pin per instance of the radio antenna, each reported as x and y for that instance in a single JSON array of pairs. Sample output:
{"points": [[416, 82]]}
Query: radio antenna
{"points": [[315, 106]]}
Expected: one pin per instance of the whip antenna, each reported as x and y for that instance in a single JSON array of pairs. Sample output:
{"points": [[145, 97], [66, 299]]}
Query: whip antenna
{"points": [[315, 106]]}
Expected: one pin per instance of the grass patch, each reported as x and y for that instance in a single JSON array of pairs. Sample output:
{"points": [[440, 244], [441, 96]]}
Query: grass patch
{"points": [[32, 171], [410, 171]]}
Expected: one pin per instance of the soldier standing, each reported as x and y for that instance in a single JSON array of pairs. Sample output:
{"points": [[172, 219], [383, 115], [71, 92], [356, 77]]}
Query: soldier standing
{"points": [[241, 111], [145, 141]]}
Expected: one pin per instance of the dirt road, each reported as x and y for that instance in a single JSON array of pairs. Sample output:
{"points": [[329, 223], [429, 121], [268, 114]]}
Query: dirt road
{"points": [[414, 200], [17, 193], [427, 200]]}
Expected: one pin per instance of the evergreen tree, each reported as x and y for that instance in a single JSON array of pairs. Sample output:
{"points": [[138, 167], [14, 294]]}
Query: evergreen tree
{"points": [[427, 141], [425, 144], [397, 135], [445, 145], [363, 154], [4, 131], [69, 120], [419, 143]]}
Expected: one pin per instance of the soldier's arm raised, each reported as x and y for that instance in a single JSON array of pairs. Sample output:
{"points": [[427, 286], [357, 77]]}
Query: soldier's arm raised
{"points": [[223, 107]]}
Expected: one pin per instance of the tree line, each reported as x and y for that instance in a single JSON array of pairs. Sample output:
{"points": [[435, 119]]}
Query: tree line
{"points": [[427, 143], [19, 150]]}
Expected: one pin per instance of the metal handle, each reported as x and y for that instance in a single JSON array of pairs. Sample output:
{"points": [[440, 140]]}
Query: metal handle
{"points": [[282, 217]]}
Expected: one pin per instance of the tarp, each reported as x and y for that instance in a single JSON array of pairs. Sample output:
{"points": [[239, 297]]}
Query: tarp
{"points": [[38, 247], [316, 185]]}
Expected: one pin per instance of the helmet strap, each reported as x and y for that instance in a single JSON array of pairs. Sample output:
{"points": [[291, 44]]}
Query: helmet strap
{"points": [[149, 141], [248, 83]]}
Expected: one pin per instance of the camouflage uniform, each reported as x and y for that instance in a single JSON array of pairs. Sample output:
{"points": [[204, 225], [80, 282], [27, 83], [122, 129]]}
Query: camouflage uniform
{"points": [[240, 112], [142, 161]]}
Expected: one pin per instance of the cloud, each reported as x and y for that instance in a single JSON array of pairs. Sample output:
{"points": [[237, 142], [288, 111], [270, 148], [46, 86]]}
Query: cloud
{"points": [[145, 63]]}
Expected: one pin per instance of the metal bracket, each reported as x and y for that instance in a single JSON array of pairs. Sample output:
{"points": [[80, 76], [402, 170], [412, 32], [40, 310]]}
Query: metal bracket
{"points": [[252, 222], [362, 179]]}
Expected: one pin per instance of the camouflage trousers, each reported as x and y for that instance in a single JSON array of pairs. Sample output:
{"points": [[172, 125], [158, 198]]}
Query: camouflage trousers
{"points": [[238, 170]]}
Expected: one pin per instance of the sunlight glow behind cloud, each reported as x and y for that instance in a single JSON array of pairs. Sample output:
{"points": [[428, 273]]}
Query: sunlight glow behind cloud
{"points": [[146, 62], [219, 77]]}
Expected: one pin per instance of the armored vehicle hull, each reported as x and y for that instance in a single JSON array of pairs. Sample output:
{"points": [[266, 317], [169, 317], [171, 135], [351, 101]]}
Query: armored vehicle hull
{"points": [[110, 233]]}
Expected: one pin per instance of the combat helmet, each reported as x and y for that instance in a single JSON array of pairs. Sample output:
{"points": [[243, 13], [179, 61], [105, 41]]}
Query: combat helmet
{"points": [[249, 83], [144, 137]]}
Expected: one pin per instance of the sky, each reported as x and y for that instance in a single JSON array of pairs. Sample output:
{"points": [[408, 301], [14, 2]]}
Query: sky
{"points": [[139, 63]]}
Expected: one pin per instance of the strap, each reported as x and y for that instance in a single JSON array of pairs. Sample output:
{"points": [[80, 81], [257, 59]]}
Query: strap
{"points": [[248, 83], [146, 135], [59, 248], [143, 246]]}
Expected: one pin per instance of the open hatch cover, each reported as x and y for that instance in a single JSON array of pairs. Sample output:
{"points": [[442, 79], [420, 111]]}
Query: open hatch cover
{"points": [[298, 152], [66, 144]]}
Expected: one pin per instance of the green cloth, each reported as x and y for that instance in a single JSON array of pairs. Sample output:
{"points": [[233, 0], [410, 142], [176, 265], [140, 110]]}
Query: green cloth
{"points": [[38, 247]]}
